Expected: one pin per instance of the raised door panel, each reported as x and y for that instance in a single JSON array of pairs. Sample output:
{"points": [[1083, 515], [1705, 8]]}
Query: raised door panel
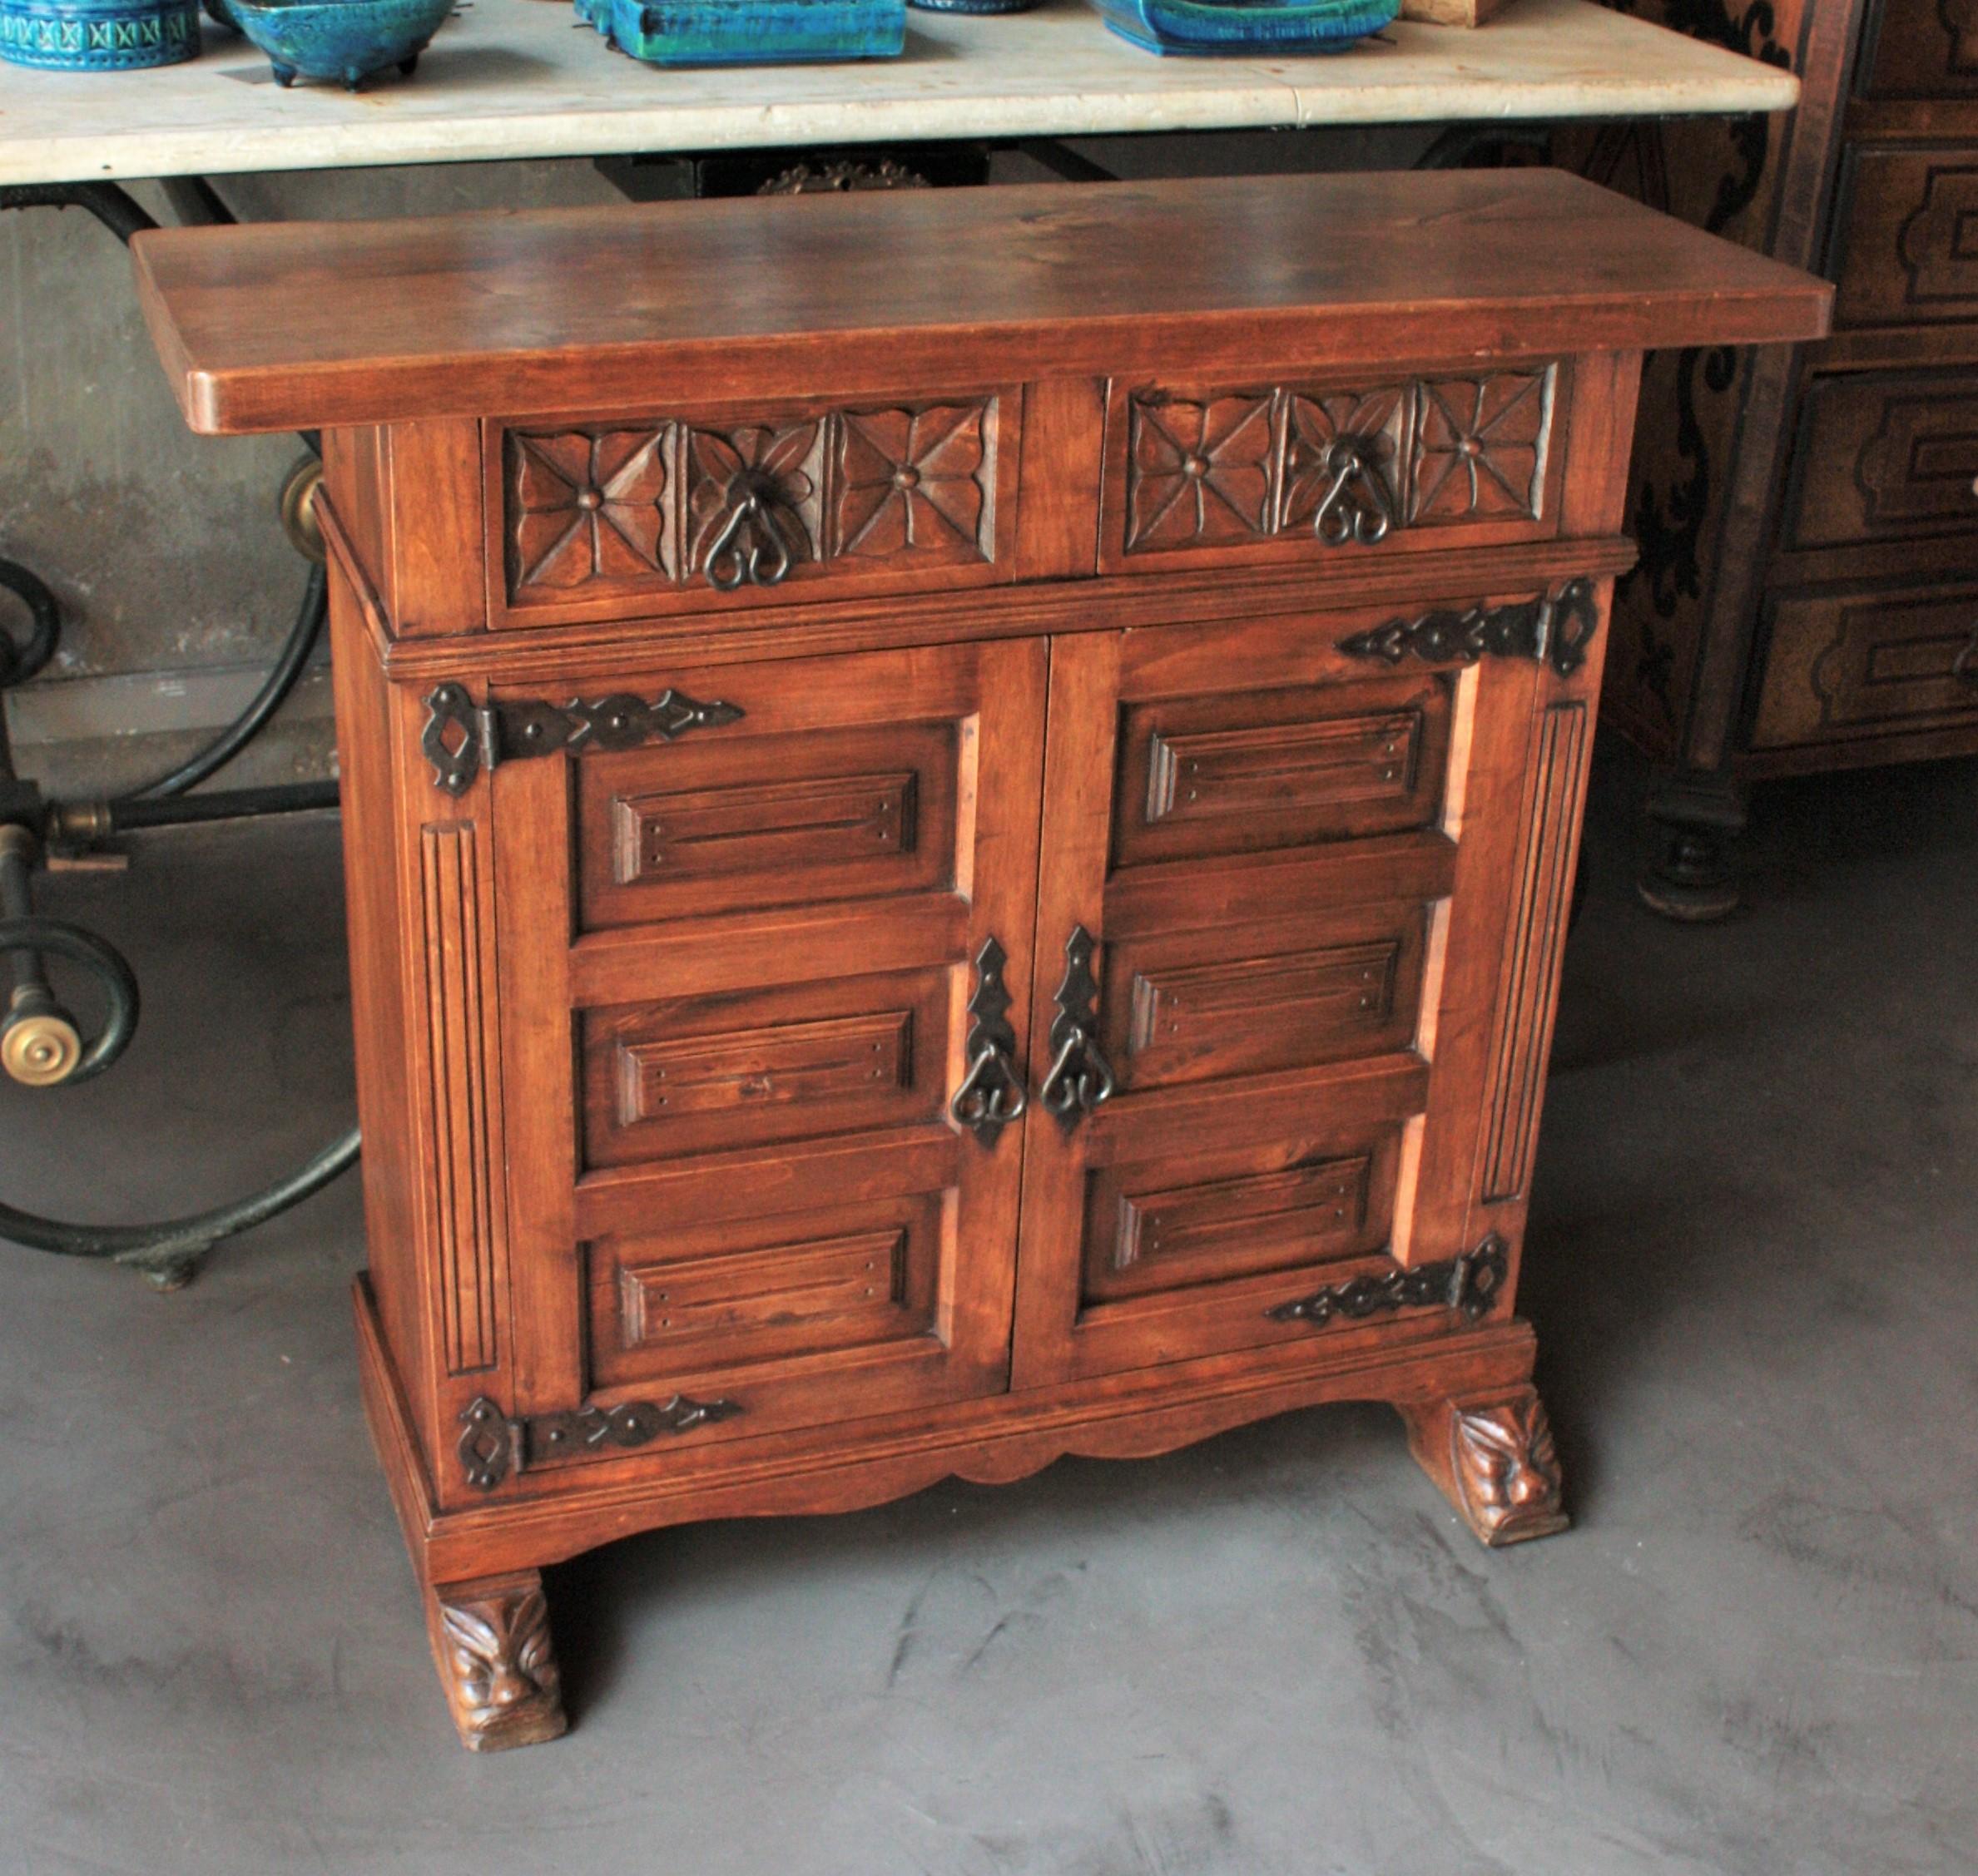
{"points": [[1907, 236], [1854, 661], [749, 967], [1884, 456], [1921, 49], [1274, 1072]]}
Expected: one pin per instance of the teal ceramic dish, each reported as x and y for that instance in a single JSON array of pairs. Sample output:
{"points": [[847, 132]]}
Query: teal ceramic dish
{"points": [[749, 31], [339, 41], [98, 35], [1280, 27]]}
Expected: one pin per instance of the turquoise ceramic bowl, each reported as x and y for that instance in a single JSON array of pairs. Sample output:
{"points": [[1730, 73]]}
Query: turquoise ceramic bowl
{"points": [[339, 41], [1282, 27], [749, 31], [98, 35]]}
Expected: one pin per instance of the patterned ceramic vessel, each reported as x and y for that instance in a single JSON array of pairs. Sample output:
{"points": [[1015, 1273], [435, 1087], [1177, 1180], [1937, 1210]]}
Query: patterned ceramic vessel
{"points": [[749, 31], [1205, 27], [98, 35], [339, 41]]}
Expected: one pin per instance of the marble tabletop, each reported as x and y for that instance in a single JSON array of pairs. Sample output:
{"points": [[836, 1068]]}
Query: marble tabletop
{"points": [[513, 78]]}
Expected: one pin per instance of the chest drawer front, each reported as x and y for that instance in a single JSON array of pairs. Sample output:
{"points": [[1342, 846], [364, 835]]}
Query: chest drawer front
{"points": [[1885, 457], [1908, 237], [1858, 661], [1311, 467], [1922, 48], [698, 510]]}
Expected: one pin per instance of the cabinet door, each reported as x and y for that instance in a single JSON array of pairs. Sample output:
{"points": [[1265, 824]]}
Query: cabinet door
{"points": [[1272, 938], [743, 978]]}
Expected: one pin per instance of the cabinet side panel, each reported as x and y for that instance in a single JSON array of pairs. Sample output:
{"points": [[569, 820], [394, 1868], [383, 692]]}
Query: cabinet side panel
{"points": [[377, 1001]]}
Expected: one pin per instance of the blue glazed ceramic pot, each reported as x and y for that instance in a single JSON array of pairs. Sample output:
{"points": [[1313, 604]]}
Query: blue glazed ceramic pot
{"points": [[749, 31], [973, 6], [98, 35], [1208, 27], [340, 42]]}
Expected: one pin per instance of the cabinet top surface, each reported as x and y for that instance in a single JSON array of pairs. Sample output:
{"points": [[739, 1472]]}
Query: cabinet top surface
{"points": [[287, 325], [510, 78]]}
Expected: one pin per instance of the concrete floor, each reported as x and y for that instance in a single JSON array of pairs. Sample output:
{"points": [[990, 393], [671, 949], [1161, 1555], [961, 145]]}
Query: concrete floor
{"points": [[1274, 1656]]}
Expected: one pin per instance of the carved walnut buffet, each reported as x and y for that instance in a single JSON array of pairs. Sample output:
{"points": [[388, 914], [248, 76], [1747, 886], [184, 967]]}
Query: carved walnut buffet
{"points": [[960, 811]]}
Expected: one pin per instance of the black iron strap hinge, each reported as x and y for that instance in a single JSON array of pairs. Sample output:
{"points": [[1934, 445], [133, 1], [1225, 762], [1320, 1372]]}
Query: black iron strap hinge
{"points": [[1555, 628], [492, 1446], [1467, 1283], [462, 737]]}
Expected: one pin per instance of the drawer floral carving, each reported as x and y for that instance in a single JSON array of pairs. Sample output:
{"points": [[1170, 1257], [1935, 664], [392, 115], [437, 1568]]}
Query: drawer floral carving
{"points": [[1347, 466], [910, 482], [682, 504], [1201, 472], [587, 506]]}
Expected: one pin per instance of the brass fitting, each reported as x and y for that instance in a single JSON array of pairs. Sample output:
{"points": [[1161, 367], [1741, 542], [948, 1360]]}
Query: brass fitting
{"points": [[299, 508], [40, 1048]]}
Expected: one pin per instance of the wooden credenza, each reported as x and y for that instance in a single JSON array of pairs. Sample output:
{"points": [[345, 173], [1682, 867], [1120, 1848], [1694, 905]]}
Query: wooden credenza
{"points": [[960, 810]]}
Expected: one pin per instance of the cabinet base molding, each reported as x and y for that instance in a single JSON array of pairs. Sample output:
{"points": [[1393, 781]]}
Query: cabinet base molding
{"points": [[542, 1520]]}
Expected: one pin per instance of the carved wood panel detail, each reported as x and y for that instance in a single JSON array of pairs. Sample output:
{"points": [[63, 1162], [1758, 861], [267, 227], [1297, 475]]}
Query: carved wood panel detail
{"points": [[675, 501], [587, 505], [1343, 466], [1327, 761], [852, 1285], [1236, 1226], [791, 1064], [500, 1671], [1533, 946], [1506, 1470], [811, 820], [464, 1192], [1937, 240]]}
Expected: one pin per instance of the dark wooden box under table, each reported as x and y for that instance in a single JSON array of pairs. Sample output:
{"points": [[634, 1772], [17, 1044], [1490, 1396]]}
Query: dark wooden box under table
{"points": [[961, 809]]}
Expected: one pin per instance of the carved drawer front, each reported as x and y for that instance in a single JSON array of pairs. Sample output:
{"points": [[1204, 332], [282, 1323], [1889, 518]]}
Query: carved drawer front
{"points": [[1309, 467], [1243, 771], [703, 1306], [693, 510], [832, 817], [1885, 457], [1859, 661], [1921, 49], [1190, 1006], [695, 1075], [1908, 236]]}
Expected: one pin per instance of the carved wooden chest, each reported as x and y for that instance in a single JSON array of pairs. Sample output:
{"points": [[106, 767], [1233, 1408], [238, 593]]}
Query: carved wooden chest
{"points": [[960, 811]]}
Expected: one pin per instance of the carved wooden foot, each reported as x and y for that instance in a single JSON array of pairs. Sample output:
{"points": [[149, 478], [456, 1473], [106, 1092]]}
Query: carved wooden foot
{"points": [[1494, 1461], [491, 1641]]}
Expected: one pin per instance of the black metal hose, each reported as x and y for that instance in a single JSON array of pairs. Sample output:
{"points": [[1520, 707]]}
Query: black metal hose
{"points": [[281, 678]]}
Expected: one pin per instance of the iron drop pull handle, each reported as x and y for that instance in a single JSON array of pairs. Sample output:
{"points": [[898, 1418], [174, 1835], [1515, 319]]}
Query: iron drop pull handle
{"points": [[991, 1094], [1080, 1076], [750, 550]]}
